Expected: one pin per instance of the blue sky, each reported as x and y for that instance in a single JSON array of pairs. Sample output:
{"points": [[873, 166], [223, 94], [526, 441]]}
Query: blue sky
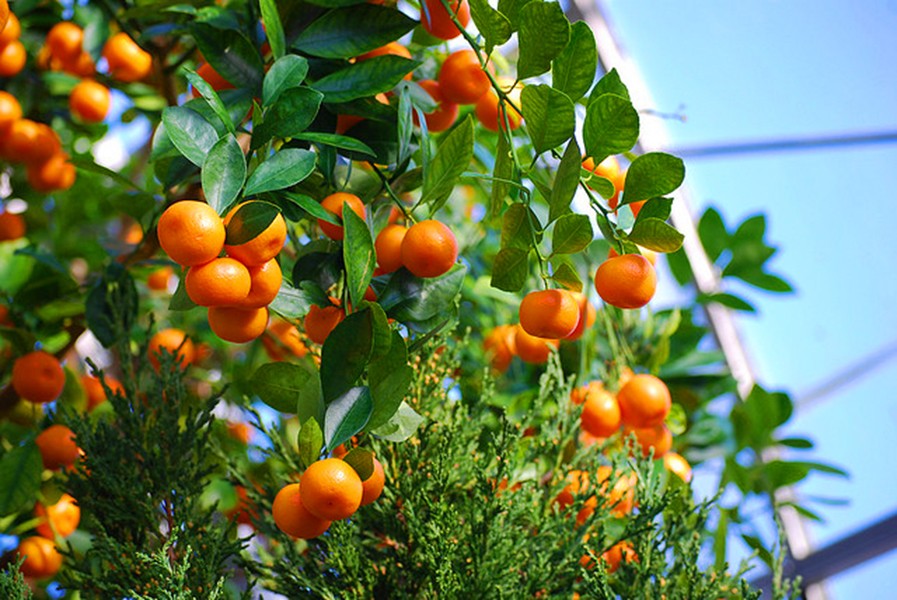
{"points": [[759, 70]]}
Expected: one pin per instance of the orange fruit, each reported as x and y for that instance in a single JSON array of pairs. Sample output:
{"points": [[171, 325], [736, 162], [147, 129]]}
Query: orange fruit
{"points": [[191, 232], [81, 66], [388, 246], [41, 557], [617, 554], [644, 401], [64, 41], [12, 58], [627, 281], [651, 255], [335, 203], [63, 516], [320, 321], [577, 483], [94, 390], [213, 78], [435, 19], [38, 377], [532, 349], [4, 13], [158, 280], [446, 112], [372, 487], [293, 518], [238, 325], [11, 31], [587, 315], [57, 446], [174, 341], [219, 282], [265, 280], [392, 48], [240, 431], [244, 511], [489, 114], [283, 336], [600, 411], [331, 489], [10, 109], [621, 497], [127, 61], [30, 142], [550, 314], [263, 247], [12, 226], [54, 174], [676, 464], [89, 101], [609, 168], [500, 346], [429, 249], [656, 437], [462, 79]]}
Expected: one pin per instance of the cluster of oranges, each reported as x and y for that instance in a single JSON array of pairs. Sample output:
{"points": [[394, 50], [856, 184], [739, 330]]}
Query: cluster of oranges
{"points": [[328, 490], [41, 557], [12, 51], [236, 287]]}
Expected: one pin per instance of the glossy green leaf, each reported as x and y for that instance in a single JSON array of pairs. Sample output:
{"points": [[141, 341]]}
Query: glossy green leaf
{"points": [[573, 70], [292, 388], [358, 256], [549, 115], [728, 300], [517, 227], [544, 31], [333, 140], [566, 276], [713, 234], [348, 32], [511, 10], [290, 116], [389, 377], [286, 73], [231, 54], [20, 478], [283, 169], [310, 442], [566, 180], [611, 127], [502, 173], [451, 161], [653, 174], [572, 233], [223, 173], [610, 83], [294, 302], [346, 416], [492, 25], [211, 97], [180, 301], [346, 354], [410, 299], [273, 27], [361, 460], [400, 426], [656, 235], [764, 281], [191, 134], [365, 78], [251, 219], [312, 207], [510, 269], [656, 208]]}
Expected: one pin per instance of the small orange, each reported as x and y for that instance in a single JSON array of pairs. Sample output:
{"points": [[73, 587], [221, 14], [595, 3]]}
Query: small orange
{"points": [[429, 249], [617, 554], [293, 518], [287, 338], [94, 390], [65, 40], [12, 226], [63, 517], [12, 58], [41, 557], [676, 464], [10, 109], [173, 341], [550, 314], [81, 66], [219, 282], [577, 483], [651, 255], [320, 321], [54, 174], [609, 168], [335, 203], [263, 247], [501, 347], [489, 113], [392, 48], [462, 79], [159, 279], [265, 281], [372, 487], [4, 13], [331, 489], [436, 21], [38, 377], [191, 232], [532, 349], [30, 142], [621, 497], [644, 401], [238, 325], [127, 61], [388, 246], [587, 315], [600, 411], [57, 446], [12, 30], [627, 281], [89, 101], [213, 78], [446, 112], [657, 438]]}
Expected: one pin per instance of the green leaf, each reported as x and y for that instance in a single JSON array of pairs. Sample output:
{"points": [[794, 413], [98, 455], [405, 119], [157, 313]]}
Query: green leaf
{"points": [[311, 441], [273, 27], [566, 180], [83, 163], [656, 208], [502, 173], [511, 9], [544, 31], [713, 234], [180, 301], [727, 300], [348, 32], [346, 416], [602, 185], [333, 140], [20, 478], [389, 377], [510, 269], [410, 299], [401, 426], [358, 256], [572, 233], [656, 235], [288, 387], [549, 115], [211, 97], [764, 281], [312, 207], [361, 460], [609, 84], [798, 443], [652, 174], [611, 127], [566, 276], [492, 25], [223, 173], [518, 227], [755, 419], [285, 74], [112, 304], [231, 54], [250, 220], [366, 78], [452, 159], [346, 353], [290, 116], [573, 70], [294, 302], [191, 134], [284, 169]]}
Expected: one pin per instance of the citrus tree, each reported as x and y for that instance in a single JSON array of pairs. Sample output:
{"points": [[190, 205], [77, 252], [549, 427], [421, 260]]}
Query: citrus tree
{"points": [[348, 299]]}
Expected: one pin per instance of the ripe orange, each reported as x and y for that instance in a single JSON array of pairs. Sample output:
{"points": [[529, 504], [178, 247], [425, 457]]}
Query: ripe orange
{"points": [[550, 314], [435, 19], [89, 101], [63, 517], [388, 246], [587, 315], [462, 79], [64, 41], [577, 483], [265, 280], [489, 114], [263, 247], [331, 489], [600, 411], [81, 66], [4, 13], [94, 390], [532, 349], [238, 325], [27, 141], [500, 346], [191, 232], [57, 446], [12, 226], [219, 282], [651, 255], [320, 321], [283, 336], [10, 109], [372, 487], [621, 497], [609, 168], [293, 518], [627, 281], [392, 48], [158, 280], [429, 249], [174, 341], [41, 557], [213, 78], [127, 61], [644, 401], [446, 112], [657, 437], [38, 377], [56, 173], [616, 554], [335, 203], [676, 464], [12, 30]]}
